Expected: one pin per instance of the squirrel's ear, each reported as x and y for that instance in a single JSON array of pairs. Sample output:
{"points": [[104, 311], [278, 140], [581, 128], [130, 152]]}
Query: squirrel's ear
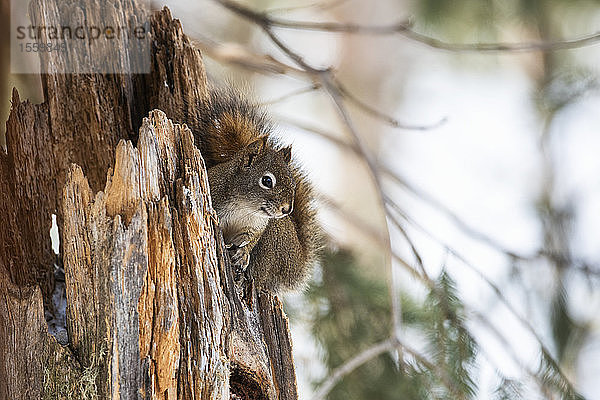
{"points": [[254, 149], [286, 152]]}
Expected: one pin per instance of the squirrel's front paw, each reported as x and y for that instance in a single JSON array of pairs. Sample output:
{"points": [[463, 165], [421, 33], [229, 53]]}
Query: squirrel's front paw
{"points": [[240, 257], [240, 240]]}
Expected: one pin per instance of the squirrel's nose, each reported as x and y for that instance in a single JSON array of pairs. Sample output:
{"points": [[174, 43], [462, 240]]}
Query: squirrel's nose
{"points": [[286, 209]]}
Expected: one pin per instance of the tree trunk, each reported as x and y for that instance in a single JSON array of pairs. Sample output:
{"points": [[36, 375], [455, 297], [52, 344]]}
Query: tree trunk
{"points": [[153, 311]]}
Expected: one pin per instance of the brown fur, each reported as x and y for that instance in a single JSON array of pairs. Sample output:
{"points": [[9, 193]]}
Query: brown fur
{"points": [[228, 123]]}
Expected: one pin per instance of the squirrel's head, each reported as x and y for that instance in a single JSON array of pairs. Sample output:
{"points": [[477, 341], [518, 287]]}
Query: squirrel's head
{"points": [[264, 179]]}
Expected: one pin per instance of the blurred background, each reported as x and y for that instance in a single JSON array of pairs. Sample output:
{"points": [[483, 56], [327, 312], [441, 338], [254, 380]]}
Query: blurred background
{"points": [[459, 176]]}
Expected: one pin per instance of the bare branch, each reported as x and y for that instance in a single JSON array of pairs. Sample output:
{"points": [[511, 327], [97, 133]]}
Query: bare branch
{"points": [[292, 54], [365, 227], [511, 351], [405, 29], [253, 62], [543, 46], [372, 166]]}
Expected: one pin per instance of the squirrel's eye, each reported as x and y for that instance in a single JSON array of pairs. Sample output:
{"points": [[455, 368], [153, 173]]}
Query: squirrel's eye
{"points": [[267, 181]]}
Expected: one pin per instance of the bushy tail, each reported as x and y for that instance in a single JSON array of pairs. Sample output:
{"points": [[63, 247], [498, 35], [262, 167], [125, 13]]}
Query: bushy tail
{"points": [[304, 217]]}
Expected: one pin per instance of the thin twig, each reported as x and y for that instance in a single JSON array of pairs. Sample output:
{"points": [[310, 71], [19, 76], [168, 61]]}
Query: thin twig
{"points": [[524, 322], [330, 137], [391, 121], [233, 53], [463, 226], [370, 231], [375, 351], [294, 93], [350, 365], [524, 47], [336, 97], [507, 345], [477, 271], [441, 373], [292, 54], [363, 226], [412, 246], [320, 5]]}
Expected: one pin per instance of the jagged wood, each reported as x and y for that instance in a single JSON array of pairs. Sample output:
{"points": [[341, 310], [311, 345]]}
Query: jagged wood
{"points": [[153, 311]]}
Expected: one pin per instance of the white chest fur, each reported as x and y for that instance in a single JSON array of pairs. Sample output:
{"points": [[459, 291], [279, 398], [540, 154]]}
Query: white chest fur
{"points": [[240, 218]]}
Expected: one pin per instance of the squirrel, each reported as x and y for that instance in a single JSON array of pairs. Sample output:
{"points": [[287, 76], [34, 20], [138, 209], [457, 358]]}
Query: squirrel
{"points": [[263, 201]]}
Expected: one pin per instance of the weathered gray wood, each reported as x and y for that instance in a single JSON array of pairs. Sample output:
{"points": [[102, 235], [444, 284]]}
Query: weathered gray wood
{"points": [[153, 310], [153, 263]]}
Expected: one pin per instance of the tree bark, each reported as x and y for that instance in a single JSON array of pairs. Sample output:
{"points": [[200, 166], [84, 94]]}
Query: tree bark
{"points": [[4, 64], [153, 311]]}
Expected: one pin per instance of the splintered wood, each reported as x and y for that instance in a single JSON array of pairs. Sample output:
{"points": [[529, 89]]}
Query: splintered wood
{"points": [[151, 254], [159, 270]]}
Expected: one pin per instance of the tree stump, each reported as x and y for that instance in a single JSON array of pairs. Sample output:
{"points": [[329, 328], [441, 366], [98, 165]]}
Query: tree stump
{"points": [[153, 311]]}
